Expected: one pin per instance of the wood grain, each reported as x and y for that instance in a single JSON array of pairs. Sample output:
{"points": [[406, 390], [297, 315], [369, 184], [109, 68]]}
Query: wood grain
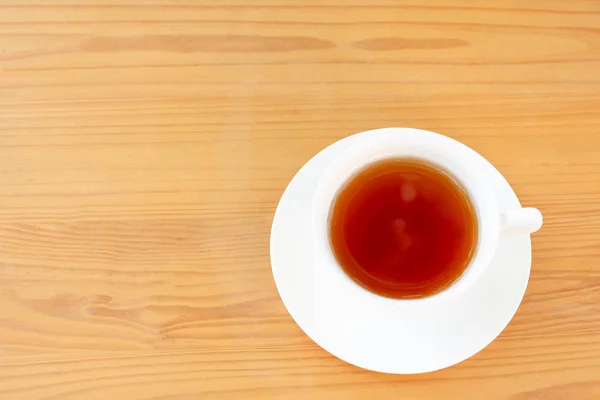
{"points": [[144, 147]]}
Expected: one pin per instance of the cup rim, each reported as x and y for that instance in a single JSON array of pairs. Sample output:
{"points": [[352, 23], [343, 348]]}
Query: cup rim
{"points": [[441, 151]]}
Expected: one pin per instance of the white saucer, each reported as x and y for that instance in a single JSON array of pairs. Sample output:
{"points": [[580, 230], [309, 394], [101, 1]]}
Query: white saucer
{"points": [[394, 336]]}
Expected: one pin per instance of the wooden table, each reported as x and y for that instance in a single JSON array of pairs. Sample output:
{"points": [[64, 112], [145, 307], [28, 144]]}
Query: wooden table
{"points": [[144, 147]]}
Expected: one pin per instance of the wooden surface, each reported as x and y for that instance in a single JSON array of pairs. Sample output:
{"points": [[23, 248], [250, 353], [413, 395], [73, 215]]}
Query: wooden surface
{"points": [[144, 146]]}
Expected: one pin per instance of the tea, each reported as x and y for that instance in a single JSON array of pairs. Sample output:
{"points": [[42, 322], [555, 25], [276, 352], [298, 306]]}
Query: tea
{"points": [[403, 228]]}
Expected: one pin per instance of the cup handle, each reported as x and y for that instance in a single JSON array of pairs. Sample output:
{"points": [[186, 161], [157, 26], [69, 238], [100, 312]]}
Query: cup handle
{"points": [[521, 220]]}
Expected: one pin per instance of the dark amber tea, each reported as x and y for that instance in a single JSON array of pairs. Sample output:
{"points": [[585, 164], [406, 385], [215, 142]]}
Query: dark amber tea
{"points": [[403, 228]]}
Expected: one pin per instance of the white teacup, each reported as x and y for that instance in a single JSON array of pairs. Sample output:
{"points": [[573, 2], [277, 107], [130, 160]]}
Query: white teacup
{"points": [[451, 156], [395, 335]]}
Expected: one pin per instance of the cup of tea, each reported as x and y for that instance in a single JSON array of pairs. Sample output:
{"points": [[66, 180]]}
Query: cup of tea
{"points": [[401, 250], [411, 216]]}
